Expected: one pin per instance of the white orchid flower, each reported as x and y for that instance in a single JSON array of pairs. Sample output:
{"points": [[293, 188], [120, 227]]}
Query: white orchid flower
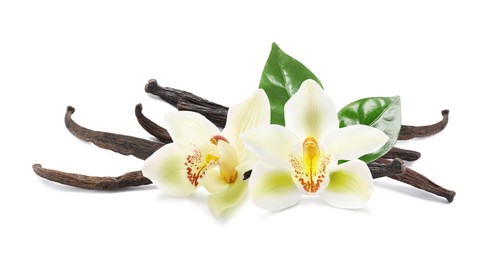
{"points": [[303, 156], [201, 155]]}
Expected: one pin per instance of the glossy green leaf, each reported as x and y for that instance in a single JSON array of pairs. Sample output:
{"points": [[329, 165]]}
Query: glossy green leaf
{"points": [[281, 78], [383, 113]]}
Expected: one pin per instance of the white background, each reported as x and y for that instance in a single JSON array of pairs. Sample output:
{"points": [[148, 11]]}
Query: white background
{"points": [[97, 56]]}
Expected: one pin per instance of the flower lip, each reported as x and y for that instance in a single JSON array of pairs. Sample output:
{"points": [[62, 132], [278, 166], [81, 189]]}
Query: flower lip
{"points": [[197, 165], [310, 173]]}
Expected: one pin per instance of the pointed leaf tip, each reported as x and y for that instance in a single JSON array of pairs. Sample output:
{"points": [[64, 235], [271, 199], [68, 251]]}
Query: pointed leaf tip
{"points": [[281, 79]]}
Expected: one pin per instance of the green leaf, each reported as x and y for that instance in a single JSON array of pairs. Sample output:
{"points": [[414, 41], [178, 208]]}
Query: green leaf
{"points": [[281, 78], [383, 113]]}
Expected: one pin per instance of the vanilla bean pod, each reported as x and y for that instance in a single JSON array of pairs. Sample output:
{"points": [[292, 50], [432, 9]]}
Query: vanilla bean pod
{"points": [[151, 127], [407, 155], [174, 96], [419, 181], [92, 182], [408, 132], [123, 144]]}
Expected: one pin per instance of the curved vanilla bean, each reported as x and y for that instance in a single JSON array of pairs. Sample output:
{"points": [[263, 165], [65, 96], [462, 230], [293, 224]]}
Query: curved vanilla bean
{"points": [[151, 127], [123, 144], [92, 182], [407, 155], [174, 96], [408, 132]]}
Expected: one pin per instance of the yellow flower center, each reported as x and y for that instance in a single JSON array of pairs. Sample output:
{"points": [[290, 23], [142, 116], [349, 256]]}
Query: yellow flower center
{"points": [[312, 171], [311, 150], [229, 176]]}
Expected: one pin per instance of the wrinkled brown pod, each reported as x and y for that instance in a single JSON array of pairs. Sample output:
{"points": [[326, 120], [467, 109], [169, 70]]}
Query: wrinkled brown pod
{"points": [[184, 100], [151, 127], [419, 181], [92, 182], [408, 132], [123, 144]]}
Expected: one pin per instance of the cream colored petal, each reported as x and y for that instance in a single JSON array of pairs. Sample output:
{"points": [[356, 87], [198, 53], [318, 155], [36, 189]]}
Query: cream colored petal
{"points": [[272, 187], [272, 144], [310, 112], [252, 113], [351, 142], [228, 198], [213, 182], [228, 161], [208, 150], [350, 185], [166, 169], [244, 167], [186, 127]]}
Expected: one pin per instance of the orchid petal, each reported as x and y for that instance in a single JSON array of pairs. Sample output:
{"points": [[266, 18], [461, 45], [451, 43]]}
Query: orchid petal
{"points": [[350, 185], [310, 112], [166, 169], [186, 127], [244, 167], [228, 198], [251, 113], [353, 141], [273, 144], [272, 187], [213, 182], [228, 161]]}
